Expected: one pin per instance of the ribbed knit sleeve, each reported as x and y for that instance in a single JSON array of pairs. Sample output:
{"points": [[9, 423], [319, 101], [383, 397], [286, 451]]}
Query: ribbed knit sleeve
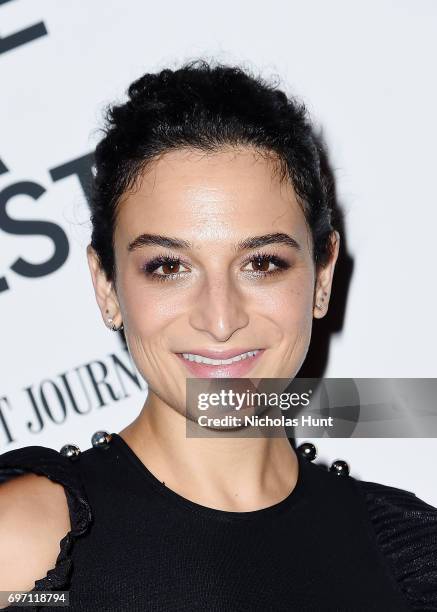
{"points": [[406, 531], [48, 462]]}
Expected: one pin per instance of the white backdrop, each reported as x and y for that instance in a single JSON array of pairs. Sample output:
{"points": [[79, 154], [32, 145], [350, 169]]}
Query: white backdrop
{"points": [[366, 71]]}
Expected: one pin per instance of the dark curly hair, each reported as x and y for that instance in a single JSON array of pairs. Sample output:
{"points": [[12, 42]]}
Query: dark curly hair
{"points": [[206, 107]]}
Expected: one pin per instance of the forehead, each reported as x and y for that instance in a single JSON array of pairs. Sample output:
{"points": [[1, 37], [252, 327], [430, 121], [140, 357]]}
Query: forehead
{"points": [[199, 196]]}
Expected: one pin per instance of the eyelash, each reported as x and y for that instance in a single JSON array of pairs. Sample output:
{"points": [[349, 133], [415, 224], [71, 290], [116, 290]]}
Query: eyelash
{"points": [[152, 265]]}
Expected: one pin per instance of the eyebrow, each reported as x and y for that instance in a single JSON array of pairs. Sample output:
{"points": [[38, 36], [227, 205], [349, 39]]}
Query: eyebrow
{"points": [[252, 242]]}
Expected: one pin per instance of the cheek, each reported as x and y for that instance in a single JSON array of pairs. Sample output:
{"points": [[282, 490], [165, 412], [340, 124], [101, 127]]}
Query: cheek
{"points": [[150, 321], [289, 306], [148, 310]]}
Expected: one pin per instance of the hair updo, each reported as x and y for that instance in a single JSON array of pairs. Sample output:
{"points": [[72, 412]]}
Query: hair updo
{"points": [[206, 107]]}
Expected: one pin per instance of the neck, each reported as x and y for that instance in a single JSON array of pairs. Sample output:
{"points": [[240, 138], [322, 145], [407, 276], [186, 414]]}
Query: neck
{"points": [[239, 474]]}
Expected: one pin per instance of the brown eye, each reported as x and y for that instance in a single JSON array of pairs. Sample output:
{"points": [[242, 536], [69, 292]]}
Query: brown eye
{"points": [[164, 268], [171, 267], [266, 265], [261, 264]]}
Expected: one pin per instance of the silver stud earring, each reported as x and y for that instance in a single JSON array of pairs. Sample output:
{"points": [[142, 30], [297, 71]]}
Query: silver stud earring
{"points": [[114, 327], [320, 306]]}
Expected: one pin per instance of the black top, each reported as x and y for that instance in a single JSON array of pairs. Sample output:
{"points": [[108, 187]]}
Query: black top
{"points": [[335, 543]]}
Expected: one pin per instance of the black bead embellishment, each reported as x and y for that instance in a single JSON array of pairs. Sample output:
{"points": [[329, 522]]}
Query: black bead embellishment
{"points": [[101, 439], [71, 451], [308, 450], [340, 467]]}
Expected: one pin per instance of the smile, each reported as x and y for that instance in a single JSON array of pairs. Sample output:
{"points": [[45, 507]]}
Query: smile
{"points": [[233, 363], [218, 362]]}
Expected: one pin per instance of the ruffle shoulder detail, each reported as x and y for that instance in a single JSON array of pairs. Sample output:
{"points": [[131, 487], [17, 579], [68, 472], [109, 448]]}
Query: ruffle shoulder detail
{"points": [[405, 527], [49, 462]]}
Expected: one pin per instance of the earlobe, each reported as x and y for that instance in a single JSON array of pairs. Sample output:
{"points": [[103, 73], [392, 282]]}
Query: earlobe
{"points": [[324, 279], [320, 306], [103, 290]]}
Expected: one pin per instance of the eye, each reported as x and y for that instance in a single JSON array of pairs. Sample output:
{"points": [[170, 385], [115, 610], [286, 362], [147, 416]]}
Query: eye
{"points": [[171, 267], [164, 268], [264, 264]]}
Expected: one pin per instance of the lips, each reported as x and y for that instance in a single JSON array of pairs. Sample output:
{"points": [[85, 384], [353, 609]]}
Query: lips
{"points": [[221, 354], [236, 369]]}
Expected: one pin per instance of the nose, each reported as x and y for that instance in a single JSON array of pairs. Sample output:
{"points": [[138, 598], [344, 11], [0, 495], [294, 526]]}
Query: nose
{"points": [[219, 309]]}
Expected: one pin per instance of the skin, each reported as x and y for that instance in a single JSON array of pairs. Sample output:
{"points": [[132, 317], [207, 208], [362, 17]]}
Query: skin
{"points": [[34, 517], [218, 302]]}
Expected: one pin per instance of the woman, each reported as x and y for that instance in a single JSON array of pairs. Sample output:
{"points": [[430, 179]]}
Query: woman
{"points": [[213, 240]]}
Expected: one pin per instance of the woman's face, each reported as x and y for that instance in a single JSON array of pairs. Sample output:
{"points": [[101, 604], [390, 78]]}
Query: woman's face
{"points": [[213, 256]]}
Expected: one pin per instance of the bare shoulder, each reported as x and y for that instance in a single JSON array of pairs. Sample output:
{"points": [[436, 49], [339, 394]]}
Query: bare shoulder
{"points": [[34, 517]]}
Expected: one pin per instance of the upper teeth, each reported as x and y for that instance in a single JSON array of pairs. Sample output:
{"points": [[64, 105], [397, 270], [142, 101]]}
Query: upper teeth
{"points": [[200, 359]]}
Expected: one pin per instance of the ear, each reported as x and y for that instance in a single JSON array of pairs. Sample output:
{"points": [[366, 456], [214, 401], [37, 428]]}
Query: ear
{"points": [[104, 290], [324, 276]]}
